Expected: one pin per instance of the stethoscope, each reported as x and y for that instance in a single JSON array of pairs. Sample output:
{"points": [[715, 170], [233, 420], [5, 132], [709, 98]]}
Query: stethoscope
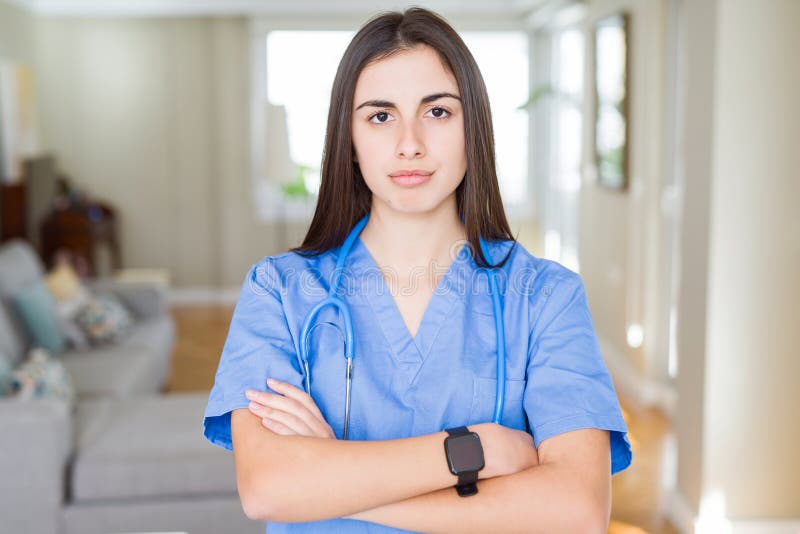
{"points": [[349, 345]]}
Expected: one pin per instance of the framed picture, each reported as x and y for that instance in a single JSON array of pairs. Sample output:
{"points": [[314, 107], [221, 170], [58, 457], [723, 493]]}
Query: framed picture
{"points": [[611, 77]]}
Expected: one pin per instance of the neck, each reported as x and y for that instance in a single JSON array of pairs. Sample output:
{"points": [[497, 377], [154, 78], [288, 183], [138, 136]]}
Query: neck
{"points": [[409, 240]]}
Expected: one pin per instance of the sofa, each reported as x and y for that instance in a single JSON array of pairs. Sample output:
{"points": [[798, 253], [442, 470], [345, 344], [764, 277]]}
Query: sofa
{"points": [[124, 456]]}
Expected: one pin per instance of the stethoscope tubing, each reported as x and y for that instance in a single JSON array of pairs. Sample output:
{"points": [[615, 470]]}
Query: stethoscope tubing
{"points": [[349, 346]]}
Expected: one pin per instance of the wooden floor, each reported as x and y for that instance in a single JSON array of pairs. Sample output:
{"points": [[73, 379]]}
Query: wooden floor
{"points": [[638, 494]]}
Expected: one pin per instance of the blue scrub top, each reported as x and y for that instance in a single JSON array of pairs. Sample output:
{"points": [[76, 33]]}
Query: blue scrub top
{"points": [[556, 380]]}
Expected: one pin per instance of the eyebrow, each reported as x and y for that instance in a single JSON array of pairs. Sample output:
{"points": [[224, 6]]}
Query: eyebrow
{"points": [[425, 100]]}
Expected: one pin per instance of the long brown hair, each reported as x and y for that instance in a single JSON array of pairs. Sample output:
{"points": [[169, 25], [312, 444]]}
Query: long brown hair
{"points": [[344, 197]]}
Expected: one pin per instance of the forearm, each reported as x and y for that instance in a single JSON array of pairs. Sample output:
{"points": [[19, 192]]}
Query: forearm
{"points": [[280, 468], [543, 498], [343, 477]]}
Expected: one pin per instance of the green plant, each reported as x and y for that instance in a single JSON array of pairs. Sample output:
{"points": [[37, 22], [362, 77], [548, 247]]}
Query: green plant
{"points": [[543, 91], [297, 188], [537, 95]]}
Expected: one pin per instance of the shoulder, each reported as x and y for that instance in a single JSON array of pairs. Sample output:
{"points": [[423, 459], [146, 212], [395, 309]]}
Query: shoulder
{"points": [[274, 272], [529, 273], [538, 288]]}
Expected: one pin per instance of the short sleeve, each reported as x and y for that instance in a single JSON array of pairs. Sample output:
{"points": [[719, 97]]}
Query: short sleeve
{"points": [[258, 345], [568, 385]]}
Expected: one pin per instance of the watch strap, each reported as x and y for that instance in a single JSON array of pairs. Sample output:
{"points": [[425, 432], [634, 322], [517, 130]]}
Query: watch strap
{"points": [[467, 481], [466, 490], [458, 431]]}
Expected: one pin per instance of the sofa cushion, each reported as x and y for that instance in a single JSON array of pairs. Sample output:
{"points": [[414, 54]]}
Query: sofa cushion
{"points": [[208, 515], [144, 299], [14, 339], [116, 371], [156, 333], [42, 376], [39, 311], [6, 378], [36, 444], [19, 266], [104, 319], [147, 446]]}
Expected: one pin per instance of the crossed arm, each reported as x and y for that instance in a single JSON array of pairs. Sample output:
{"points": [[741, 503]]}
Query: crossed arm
{"points": [[289, 461], [559, 495]]}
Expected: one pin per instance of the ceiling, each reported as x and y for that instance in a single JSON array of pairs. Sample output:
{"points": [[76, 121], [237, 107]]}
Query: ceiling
{"points": [[290, 8]]}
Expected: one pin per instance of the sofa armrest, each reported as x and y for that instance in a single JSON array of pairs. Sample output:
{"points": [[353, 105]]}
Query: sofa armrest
{"points": [[143, 298], [36, 445]]}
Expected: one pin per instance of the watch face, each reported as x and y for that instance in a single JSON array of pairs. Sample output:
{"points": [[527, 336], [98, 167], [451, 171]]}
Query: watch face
{"points": [[465, 453]]}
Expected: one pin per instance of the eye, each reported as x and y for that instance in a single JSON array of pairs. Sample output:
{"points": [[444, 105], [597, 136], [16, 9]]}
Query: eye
{"points": [[382, 117], [441, 113]]}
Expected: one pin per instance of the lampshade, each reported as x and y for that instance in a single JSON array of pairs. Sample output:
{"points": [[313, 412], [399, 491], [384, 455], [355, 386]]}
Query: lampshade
{"points": [[18, 139], [279, 167]]}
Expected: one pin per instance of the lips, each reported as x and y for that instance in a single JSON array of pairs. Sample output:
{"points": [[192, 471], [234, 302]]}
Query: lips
{"points": [[410, 172], [410, 177]]}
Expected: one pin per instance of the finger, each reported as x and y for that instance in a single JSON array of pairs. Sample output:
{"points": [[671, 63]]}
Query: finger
{"points": [[288, 405], [278, 428], [297, 394], [329, 431], [308, 425], [277, 401], [291, 421]]}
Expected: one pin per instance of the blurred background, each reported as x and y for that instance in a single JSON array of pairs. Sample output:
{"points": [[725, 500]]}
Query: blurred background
{"points": [[152, 151]]}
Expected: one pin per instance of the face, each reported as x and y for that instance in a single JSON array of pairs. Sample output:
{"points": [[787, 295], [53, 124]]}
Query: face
{"points": [[397, 126]]}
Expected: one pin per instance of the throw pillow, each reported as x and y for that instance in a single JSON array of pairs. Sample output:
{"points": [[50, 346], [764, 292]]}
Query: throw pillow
{"points": [[71, 296], [74, 334], [104, 319], [63, 282], [42, 376], [39, 313]]}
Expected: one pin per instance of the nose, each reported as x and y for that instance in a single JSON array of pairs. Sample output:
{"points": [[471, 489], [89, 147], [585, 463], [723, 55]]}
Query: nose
{"points": [[410, 144]]}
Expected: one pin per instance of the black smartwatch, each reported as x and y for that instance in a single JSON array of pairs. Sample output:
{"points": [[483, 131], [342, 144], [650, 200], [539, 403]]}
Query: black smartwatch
{"points": [[464, 458]]}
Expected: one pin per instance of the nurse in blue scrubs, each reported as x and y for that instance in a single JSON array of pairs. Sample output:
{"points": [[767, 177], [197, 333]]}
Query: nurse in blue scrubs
{"points": [[410, 146]]}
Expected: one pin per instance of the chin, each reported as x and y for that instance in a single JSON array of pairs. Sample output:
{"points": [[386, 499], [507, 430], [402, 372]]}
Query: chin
{"points": [[418, 200], [417, 205]]}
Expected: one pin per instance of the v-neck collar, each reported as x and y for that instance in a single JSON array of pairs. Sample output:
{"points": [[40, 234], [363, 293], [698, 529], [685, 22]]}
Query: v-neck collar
{"points": [[372, 288]]}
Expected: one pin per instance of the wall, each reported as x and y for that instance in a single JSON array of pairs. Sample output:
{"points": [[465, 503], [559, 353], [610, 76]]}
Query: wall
{"points": [[151, 115], [620, 248], [16, 33], [737, 422], [754, 263], [699, 50]]}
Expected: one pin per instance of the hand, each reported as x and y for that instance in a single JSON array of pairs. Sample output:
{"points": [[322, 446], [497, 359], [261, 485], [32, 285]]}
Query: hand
{"points": [[291, 411], [505, 450]]}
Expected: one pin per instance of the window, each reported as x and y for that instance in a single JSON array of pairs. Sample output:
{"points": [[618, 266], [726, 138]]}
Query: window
{"points": [[561, 219], [301, 65], [508, 87]]}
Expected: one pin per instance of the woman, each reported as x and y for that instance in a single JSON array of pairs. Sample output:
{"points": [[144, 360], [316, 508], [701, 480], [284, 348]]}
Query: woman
{"points": [[409, 179]]}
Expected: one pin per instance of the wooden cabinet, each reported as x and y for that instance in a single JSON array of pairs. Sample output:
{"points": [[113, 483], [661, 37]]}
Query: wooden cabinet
{"points": [[81, 231], [12, 212], [43, 205]]}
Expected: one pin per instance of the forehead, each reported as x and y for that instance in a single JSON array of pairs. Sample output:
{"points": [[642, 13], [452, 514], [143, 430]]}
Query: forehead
{"points": [[408, 73]]}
